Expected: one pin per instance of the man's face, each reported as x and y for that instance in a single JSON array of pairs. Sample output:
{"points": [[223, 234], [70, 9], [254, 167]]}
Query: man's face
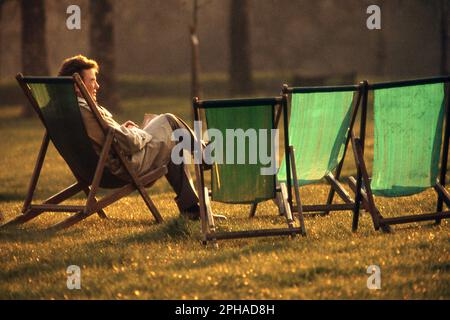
{"points": [[90, 81]]}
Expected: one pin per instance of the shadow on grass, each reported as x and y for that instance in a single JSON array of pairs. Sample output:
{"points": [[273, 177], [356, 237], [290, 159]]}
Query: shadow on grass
{"points": [[237, 252], [11, 197], [174, 229], [17, 234], [179, 228], [32, 269]]}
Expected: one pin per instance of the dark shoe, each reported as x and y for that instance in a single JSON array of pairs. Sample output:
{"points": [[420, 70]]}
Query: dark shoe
{"points": [[192, 213]]}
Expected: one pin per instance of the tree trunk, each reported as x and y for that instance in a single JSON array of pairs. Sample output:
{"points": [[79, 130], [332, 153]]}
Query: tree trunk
{"points": [[34, 46], [241, 81], [195, 55], [101, 38], [381, 47], [444, 36], [1, 27]]}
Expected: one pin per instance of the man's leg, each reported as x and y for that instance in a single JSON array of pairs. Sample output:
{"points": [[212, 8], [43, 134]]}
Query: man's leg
{"points": [[160, 153], [180, 179]]}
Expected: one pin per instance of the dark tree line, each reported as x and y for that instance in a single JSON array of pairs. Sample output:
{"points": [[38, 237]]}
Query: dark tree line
{"points": [[240, 66], [240, 48], [444, 19], [33, 39], [101, 40]]}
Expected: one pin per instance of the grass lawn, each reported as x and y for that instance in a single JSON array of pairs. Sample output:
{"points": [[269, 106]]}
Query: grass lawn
{"points": [[128, 256]]}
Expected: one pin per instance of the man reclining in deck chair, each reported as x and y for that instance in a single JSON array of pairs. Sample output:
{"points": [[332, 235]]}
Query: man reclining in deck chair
{"points": [[147, 148]]}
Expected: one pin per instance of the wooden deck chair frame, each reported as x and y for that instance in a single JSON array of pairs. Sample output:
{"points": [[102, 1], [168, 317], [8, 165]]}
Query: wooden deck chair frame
{"points": [[207, 216], [90, 188], [333, 179], [361, 185]]}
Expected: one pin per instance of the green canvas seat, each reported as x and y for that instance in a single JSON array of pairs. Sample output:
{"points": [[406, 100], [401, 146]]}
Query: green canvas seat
{"points": [[321, 119], [408, 134], [410, 146], [61, 115], [241, 183], [237, 175], [55, 102]]}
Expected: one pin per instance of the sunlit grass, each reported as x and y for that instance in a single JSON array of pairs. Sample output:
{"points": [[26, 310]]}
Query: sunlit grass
{"points": [[129, 256]]}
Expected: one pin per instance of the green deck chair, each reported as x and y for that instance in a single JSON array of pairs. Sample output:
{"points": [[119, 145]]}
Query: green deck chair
{"points": [[55, 102], [241, 182], [320, 123], [410, 147]]}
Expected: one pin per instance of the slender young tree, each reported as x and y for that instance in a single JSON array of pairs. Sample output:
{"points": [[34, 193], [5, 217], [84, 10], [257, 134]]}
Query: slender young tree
{"points": [[195, 49], [241, 81], [381, 47], [444, 36], [33, 38], [195, 54], [101, 39], [1, 14]]}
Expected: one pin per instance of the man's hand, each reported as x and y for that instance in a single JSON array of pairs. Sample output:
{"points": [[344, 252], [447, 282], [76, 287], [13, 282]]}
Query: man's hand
{"points": [[130, 124]]}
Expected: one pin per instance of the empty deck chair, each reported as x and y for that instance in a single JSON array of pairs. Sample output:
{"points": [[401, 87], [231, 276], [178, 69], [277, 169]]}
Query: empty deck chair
{"points": [[321, 119], [411, 136], [236, 183]]}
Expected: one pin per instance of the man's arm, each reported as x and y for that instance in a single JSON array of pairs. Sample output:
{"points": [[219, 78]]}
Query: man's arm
{"points": [[131, 139], [130, 124], [147, 118]]}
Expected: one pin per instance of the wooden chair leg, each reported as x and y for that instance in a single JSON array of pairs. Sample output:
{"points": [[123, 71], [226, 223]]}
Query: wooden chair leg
{"points": [[100, 212], [335, 187], [36, 172], [443, 197], [99, 170], [91, 201], [21, 219], [333, 190], [289, 217], [253, 210], [338, 188], [91, 192], [297, 191], [201, 196], [365, 202], [150, 205], [209, 213], [30, 214], [364, 180], [279, 203]]}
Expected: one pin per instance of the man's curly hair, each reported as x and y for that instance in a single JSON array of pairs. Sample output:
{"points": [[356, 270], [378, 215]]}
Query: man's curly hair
{"points": [[76, 64]]}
